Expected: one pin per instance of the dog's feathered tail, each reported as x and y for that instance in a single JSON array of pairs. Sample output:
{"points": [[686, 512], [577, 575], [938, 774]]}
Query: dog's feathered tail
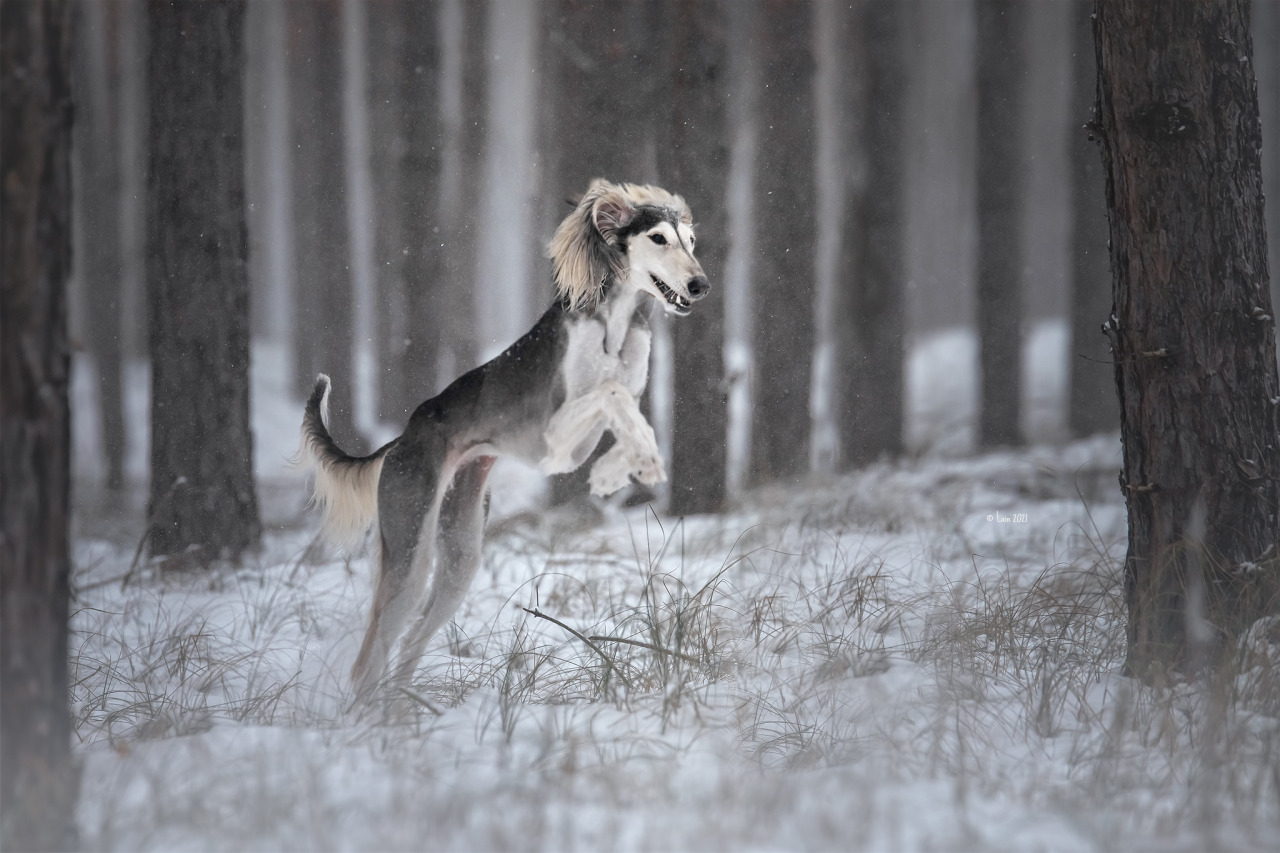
{"points": [[345, 487]]}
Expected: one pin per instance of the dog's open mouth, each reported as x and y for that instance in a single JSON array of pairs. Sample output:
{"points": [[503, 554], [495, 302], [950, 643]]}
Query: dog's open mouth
{"points": [[676, 303]]}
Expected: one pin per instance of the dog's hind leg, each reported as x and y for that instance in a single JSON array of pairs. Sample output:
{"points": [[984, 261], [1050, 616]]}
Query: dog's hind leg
{"points": [[461, 537], [409, 498]]}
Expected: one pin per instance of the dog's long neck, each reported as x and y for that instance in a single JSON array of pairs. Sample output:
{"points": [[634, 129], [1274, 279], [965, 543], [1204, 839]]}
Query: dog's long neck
{"points": [[616, 309]]}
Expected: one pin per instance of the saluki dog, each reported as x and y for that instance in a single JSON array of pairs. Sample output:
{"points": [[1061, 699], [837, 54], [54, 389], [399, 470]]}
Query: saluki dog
{"points": [[546, 400]]}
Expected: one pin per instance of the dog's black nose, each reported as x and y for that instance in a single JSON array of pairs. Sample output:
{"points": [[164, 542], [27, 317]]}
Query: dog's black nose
{"points": [[698, 287]]}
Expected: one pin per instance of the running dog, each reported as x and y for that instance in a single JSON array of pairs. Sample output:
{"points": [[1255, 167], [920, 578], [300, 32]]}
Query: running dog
{"points": [[546, 400]]}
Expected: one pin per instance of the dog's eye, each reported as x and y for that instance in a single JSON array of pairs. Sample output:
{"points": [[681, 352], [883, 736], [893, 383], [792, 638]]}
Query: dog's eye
{"points": [[659, 239]]}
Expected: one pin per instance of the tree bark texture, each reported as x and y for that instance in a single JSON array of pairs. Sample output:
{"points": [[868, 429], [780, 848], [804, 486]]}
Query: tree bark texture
{"points": [[1192, 328], [38, 777], [100, 262], [870, 319], [1092, 406], [1265, 28], [783, 283], [202, 489], [694, 162], [1001, 181], [324, 304]]}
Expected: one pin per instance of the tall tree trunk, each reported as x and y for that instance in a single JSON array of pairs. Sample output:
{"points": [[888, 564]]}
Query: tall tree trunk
{"points": [[598, 130], [324, 304], [870, 324], [600, 126], [418, 200], [361, 214], [1001, 178], [97, 142], [268, 159], [695, 163], [1192, 333], [277, 160], [133, 179], [428, 137], [38, 777], [202, 489], [1266, 40], [1092, 405], [413, 312], [783, 284], [388, 147], [462, 24]]}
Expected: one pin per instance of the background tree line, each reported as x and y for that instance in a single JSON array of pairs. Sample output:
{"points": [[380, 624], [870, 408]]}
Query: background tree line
{"points": [[364, 187], [864, 175]]}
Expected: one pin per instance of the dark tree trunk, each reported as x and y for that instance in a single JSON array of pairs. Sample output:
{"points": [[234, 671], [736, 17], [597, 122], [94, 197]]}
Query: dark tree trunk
{"points": [[783, 282], [418, 202], [1266, 41], [426, 163], [255, 166], [38, 777], [870, 320], [202, 489], [97, 142], [601, 122], [1092, 405], [695, 163], [387, 150], [1193, 334], [324, 304], [1001, 70], [462, 111], [133, 178], [599, 129], [271, 275]]}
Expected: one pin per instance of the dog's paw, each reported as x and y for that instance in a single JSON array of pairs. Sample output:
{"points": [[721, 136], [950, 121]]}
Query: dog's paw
{"points": [[648, 469], [555, 463], [610, 473]]}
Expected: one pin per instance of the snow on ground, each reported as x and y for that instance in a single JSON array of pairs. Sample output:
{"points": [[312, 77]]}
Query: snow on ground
{"points": [[920, 655], [915, 656]]}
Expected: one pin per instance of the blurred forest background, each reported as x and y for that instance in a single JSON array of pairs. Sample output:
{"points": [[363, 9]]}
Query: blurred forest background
{"points": [[902, 217], [879, 186]]}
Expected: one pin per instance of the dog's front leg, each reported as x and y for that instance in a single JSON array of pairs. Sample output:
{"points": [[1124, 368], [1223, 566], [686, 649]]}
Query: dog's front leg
{"points": [[613, 407], [569, 432], [615, 469], [635, 453]]}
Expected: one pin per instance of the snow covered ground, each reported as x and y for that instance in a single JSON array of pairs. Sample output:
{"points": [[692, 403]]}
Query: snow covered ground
{"points": [[916, 656]]}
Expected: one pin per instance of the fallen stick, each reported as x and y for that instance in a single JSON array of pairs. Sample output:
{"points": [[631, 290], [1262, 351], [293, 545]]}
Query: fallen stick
{"points": [[650, 646], [583, 637]]}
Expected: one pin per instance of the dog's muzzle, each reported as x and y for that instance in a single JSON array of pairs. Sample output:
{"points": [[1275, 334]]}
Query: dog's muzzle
{"points": [[697, 286]]}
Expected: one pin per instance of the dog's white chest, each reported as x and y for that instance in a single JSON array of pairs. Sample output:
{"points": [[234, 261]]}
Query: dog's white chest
{"points": [[589, 362]]}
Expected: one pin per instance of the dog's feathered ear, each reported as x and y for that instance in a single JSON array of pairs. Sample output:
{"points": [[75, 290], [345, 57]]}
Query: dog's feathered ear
{"points": [[583, 250], [611, 213]]}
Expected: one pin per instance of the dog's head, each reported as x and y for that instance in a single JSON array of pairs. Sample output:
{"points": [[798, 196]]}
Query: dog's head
{"points": [[640, 234]]}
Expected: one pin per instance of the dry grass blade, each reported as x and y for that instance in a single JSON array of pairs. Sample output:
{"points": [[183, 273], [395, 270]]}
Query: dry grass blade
{"points": [[421, 700]]}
